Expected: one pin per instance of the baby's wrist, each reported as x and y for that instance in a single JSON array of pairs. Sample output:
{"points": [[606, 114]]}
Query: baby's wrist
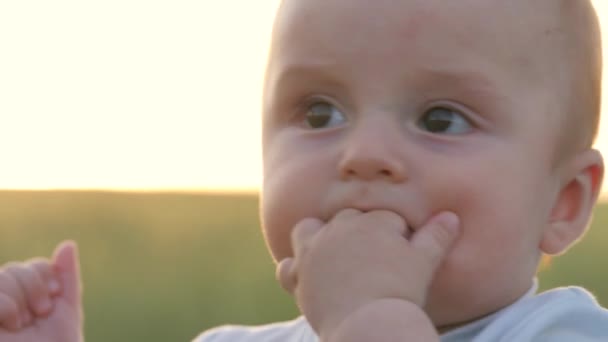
{"points": [[389, 319]]}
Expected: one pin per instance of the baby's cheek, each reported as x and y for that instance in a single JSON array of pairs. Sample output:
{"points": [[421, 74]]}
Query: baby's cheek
{"points": [[283, 206], [277, 212], [294, 192], [495, 227], [277, 230]]}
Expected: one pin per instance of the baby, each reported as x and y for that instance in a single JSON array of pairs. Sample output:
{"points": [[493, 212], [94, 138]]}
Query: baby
{"points": [[420, 157]]}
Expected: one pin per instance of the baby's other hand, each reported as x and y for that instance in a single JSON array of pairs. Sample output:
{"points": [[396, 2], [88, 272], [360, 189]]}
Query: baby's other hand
{"points": [[360, 257], [40, 300]]}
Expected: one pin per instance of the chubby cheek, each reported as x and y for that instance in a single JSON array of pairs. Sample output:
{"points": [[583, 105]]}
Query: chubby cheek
{"points": [[497, 205], [294, 189], [501, 224], [280, 212], [494, 258]]}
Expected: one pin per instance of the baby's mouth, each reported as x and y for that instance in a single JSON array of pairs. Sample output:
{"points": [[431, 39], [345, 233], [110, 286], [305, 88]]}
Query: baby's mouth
{"points": [[409, 229]]}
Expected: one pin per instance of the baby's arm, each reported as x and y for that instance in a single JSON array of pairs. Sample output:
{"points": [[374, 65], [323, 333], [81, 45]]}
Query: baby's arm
{"points": [[358, 278], [40, 300], [386, 320]]}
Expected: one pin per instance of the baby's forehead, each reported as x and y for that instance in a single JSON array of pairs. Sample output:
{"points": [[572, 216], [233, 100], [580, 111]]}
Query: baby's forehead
{"points": [[523, 31], [402, 20], [534, 16]]}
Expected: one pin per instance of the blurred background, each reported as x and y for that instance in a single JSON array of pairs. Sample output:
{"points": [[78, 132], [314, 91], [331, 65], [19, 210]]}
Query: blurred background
{"points": [[132, 127]]}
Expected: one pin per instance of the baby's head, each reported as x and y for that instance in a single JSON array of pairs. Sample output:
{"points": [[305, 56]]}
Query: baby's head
{"points": [[486, 108]]}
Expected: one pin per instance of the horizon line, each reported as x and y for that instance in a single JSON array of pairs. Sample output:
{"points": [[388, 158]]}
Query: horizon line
{"points": [[148, 190], [603, 196]]}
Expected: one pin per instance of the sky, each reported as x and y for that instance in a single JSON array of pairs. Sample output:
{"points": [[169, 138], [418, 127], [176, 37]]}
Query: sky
{"points": [[137, 94]]}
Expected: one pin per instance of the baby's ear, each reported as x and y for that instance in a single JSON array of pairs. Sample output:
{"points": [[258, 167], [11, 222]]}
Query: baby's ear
{"points": [[571, 213]]}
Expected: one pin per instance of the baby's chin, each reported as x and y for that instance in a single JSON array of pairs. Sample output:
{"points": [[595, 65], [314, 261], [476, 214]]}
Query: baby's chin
{"points": [[445, 319], [448, 324]]}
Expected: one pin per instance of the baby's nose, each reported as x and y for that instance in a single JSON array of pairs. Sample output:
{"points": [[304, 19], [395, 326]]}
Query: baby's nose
{"points": [[371, 154], [372, 168]]}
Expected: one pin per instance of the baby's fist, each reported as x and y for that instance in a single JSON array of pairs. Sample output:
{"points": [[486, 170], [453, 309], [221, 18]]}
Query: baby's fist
{"points": [[40, 299], [26, 292], [360, 257]]}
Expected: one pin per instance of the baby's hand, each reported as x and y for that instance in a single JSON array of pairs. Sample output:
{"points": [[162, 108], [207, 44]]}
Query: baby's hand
{"points": [[358, 258], [40, 300]]}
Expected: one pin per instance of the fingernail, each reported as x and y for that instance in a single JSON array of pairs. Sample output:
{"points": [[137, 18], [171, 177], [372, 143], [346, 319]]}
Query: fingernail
{"points": [[53, 286]]}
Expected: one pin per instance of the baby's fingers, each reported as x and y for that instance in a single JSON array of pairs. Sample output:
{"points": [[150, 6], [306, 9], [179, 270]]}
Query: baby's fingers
{"points": [[435, 238], [12, 303], [10, 316], [47, 273], [34, 288]]}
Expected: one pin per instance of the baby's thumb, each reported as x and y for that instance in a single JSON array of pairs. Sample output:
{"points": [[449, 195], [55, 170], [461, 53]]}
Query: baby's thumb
{"points": [[435, 239], [65, 260]]}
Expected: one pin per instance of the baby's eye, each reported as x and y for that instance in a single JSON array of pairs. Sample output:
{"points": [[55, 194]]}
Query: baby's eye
{"points": [[444, 120], [323, 115]]}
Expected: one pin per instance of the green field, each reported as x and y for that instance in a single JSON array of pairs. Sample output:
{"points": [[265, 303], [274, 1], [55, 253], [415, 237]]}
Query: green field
{"points": [[163, 267]]}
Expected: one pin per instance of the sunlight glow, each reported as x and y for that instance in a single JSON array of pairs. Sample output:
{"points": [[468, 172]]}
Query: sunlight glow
{"points": [[139, 95], [132, 94]]}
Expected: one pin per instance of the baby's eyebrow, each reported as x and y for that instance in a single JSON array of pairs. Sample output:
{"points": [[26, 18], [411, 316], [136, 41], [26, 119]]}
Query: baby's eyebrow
{"points": [[285, 81], [471, 79], [286, 74], [478, 90], [473, 85]]}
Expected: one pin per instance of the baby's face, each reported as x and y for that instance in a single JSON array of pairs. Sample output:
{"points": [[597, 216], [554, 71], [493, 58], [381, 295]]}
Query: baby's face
{"points": [[416, 107]]}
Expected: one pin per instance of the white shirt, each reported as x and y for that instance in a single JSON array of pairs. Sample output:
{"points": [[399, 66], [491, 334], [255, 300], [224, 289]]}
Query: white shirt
{"points": [[561, 315]]}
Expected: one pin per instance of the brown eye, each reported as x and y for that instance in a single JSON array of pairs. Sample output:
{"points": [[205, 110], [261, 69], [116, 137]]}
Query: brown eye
{"points": [[444, 120], [323, 115]]}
